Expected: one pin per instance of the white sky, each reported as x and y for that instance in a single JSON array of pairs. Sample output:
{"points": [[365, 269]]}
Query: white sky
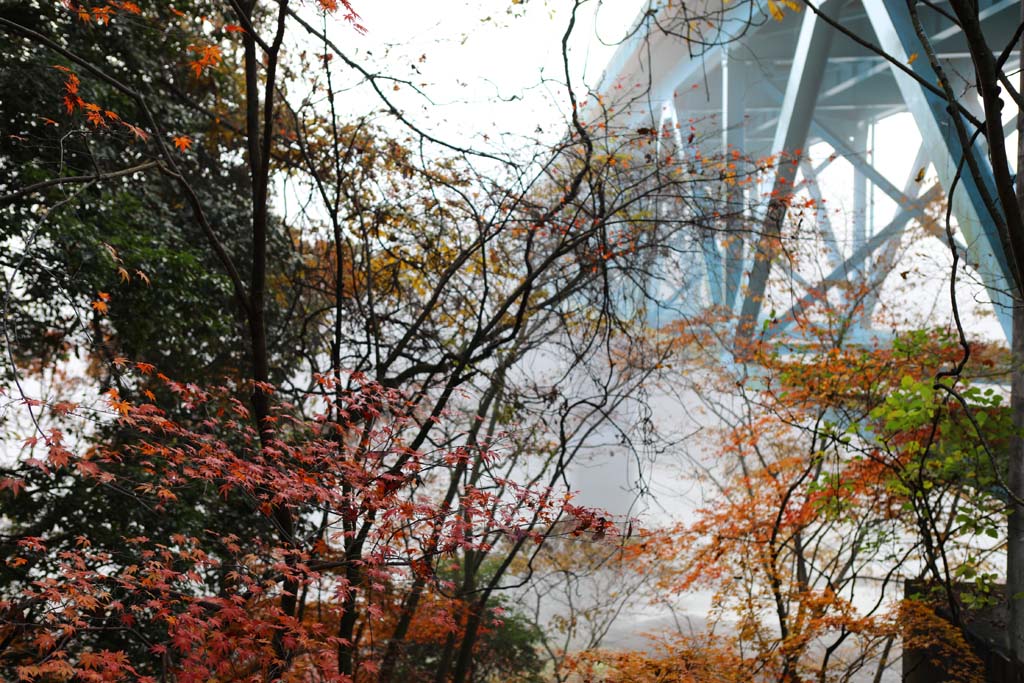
{"points": [[491, 67]]}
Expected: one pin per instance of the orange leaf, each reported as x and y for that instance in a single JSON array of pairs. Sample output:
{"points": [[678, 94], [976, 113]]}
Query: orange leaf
{"points": [[100, 304], [208, 55], [182, 142], [136, 131]]}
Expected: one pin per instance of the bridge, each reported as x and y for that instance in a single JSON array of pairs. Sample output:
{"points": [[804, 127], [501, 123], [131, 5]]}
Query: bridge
{"points": [[753, 79]]}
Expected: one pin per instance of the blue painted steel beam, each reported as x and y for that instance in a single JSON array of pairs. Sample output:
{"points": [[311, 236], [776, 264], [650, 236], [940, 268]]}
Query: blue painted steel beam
{"points": [[802, 90], [734, 97], [821, 217], [886, 260], [841, 273], [892, 25], [664, 63]]}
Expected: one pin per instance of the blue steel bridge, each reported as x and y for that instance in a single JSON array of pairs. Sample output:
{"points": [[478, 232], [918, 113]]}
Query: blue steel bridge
{"points": [[767, 88]]}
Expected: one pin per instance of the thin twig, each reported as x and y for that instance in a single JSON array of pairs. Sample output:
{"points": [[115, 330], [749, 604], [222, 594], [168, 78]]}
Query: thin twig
{"points": [[71, 180]]}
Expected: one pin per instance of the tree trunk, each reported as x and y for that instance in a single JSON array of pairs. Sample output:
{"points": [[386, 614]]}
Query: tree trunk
{"points": [[1015, 527], [1015, 535]]}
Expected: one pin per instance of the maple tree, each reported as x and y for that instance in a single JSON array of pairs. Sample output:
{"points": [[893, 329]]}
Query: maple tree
{"points": [[215, 605], [374, 469], [1001, 205], [842, 471]]}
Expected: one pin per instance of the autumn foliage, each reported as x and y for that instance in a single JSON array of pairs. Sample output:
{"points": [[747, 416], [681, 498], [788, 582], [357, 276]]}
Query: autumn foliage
{"points": [[848, 471], [356, 467], [353, 495], [221, 606]]}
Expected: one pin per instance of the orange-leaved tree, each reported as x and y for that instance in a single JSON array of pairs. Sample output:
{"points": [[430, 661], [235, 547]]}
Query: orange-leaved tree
{"points": [[844, 472]]}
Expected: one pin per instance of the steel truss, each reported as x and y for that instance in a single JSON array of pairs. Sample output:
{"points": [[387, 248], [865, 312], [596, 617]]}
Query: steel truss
{"points": [[776, 88]]}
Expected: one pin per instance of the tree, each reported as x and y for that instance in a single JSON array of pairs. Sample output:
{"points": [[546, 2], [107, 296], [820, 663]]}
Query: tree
{"points": [[841, 475], [214, 605], [988, 169], [100, 262], [374, 426], [984, 171], [105, 230]]}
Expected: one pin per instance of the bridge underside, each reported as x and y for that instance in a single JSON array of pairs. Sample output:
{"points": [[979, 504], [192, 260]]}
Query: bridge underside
{"points": [[757, 92]]}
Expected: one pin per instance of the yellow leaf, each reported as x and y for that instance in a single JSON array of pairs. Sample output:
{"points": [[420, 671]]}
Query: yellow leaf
{"points": [[911, 58]]}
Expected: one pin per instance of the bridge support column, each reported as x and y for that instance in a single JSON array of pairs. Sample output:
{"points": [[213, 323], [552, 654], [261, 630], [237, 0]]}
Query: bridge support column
{"points": [[734, 90], [794, 124], [896, 36]]}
